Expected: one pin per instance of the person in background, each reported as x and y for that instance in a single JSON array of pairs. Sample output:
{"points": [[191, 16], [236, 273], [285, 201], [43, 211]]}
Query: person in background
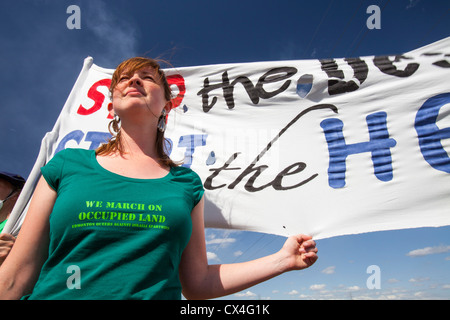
{"points": [[10, 187]]}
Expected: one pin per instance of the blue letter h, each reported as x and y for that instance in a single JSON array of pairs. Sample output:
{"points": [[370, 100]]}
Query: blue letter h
{"points": [[379, 145]]}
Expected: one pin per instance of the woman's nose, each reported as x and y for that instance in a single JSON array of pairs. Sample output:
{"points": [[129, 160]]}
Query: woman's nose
{"points": [[135, 80]]}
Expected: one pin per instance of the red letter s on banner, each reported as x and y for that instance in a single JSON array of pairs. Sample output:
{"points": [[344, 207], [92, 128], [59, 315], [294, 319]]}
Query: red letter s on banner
{"points": [[95, 95]]}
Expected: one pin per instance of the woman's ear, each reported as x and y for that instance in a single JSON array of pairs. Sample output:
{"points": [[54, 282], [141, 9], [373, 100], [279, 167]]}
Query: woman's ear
{"points": [[111, 110], [168, 107]]}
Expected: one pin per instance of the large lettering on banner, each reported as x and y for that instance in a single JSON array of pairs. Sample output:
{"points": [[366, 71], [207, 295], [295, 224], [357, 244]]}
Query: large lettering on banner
{"points": [[324, 147]]}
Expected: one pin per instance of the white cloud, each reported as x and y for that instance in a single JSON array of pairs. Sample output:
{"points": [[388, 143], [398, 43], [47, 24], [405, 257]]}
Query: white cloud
{"points": [[428, 250], [317, 287], [329, 270], [293, 292], [221, 242], [415, 280], [219, 238], [238, 253], [212, 256], [245, 294], [412, 3], [419, 294], [354, 288], [117, 35], [393, 280]]}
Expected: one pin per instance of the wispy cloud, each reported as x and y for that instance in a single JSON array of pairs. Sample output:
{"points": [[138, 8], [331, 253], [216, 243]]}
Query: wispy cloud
{"points": [[393, 280], [238, 253], [412, 3], [245, 294], [353, 288], [416, 280], [219, 238], [329, 270], [212, 256], [428, 250], [117, 35], [221, 241], [317, 287]]}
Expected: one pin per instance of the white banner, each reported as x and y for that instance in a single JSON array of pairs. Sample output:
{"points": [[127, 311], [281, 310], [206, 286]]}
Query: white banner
{"points": [[323, 147]]}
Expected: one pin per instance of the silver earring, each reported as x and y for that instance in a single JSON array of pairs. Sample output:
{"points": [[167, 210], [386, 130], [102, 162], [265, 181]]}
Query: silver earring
{"points": [[114, 124], [162, 121]]}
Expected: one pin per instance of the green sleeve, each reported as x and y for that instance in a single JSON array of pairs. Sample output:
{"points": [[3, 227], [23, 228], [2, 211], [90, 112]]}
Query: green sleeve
{"points": [[53, 169]]}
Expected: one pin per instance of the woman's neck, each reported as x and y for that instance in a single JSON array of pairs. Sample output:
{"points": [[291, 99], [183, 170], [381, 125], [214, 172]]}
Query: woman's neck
{"points": [[138, 142], [139, 158]]}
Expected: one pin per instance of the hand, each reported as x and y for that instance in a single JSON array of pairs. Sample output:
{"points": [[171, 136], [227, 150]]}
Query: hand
{"points": [[6, 243], [300, 251]]}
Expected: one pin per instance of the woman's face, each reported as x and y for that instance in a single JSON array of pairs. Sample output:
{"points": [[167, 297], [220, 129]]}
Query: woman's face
{"points": [[140, 94]]}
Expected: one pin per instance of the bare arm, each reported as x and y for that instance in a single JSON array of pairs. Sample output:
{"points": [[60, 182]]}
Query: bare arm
{"points": [[20, 271], [202, 281], [6, 243]]}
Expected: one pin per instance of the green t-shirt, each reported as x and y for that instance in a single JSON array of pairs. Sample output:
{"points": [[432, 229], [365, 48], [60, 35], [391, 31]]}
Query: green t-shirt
{"points": [[114, 237], [2, 225]]}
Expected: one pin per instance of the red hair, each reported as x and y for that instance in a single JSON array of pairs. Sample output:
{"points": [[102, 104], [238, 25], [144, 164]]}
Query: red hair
{"points": [[129, 67]]}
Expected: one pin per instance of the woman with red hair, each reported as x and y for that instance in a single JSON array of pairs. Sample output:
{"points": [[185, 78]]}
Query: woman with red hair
{"points": [[126, 222]]}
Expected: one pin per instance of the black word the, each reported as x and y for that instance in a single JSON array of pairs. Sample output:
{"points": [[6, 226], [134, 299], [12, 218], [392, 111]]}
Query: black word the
{"points": [[255, 92], [337, 84], [254, 171]]}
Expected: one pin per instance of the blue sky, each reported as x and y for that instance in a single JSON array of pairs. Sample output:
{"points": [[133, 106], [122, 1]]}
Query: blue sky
{"points": [[41, 59]]}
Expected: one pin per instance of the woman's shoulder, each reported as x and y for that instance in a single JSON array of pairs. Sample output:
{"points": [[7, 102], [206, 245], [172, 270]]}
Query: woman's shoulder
{"points": [[181, 172], [74, 152], [72, 155], [190, 179]]}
